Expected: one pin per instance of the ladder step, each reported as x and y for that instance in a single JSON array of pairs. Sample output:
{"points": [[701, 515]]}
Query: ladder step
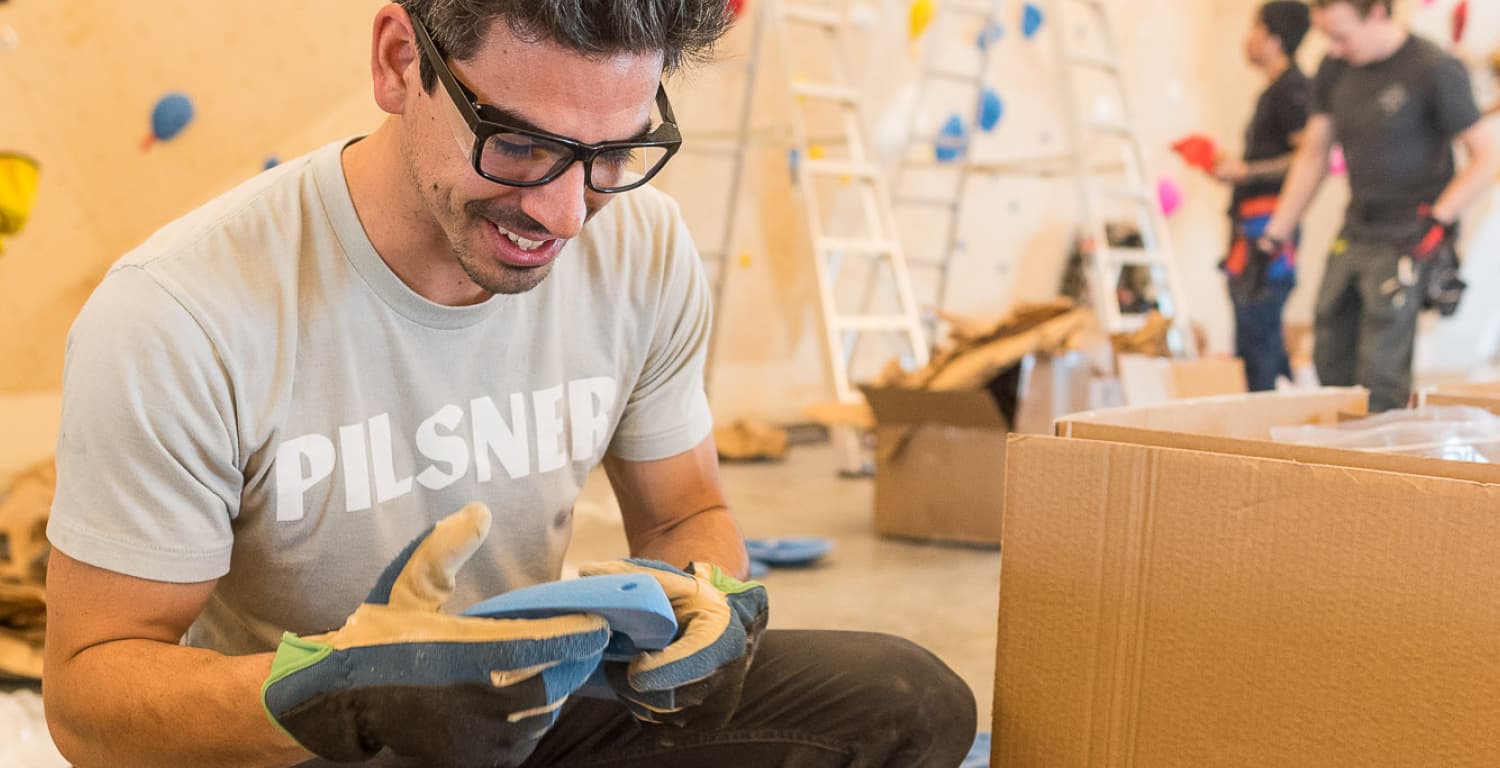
{"points": [[1111, 127], [807, 14], [838, 93], [872, 323], [971, 9], [954, 76], [1132, 257], [1095, 62], [938, 264], [928, 202], [854, 245], [1115, 192], [864, 171]]}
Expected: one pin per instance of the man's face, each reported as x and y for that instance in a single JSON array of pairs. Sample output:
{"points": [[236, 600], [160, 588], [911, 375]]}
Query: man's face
{"points": [[1351, 38], [1260, 45], [590, 99]]}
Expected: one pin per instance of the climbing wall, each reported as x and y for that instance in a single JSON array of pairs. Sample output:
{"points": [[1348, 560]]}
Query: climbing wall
{"points": [[77, 87]]}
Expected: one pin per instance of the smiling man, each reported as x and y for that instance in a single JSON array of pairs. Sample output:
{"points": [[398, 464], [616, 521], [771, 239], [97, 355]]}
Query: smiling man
{"points": [[273, 405]]}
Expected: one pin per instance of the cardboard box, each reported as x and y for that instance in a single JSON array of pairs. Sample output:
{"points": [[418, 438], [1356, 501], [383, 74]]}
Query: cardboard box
{"points": [[1152, 380], [1053, 386], [1177, 591], [939, 463], [1479, 394]]}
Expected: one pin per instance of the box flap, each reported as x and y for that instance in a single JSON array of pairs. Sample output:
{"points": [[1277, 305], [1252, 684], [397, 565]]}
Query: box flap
{"points": [[1248, 417], [1209, 376], [1151, 380], [967, 408], [1489, 401], [1240, 426]]}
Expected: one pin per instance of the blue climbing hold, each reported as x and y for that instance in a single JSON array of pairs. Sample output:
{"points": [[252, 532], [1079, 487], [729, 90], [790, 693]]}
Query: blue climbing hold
{"points": [[952, 140], [170, 116], [270, 162], [1031, 20], [991, 109], [989, 35]]}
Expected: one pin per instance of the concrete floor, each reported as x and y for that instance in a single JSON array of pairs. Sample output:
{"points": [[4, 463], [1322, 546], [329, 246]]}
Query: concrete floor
{"points": [[944, 598]]}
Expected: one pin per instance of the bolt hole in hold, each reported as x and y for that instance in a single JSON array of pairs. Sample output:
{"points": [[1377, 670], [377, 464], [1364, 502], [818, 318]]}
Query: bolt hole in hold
{"points": [[628, 587]]}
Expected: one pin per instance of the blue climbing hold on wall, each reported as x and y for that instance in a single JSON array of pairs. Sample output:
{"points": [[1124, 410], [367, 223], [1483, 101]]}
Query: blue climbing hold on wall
{"points": [[1031, 20], [989, 35], [952, 140], [270, 162], [991, 109], [172, 113]]}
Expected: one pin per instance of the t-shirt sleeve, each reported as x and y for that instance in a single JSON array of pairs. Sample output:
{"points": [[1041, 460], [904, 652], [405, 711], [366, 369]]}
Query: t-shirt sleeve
{"points": [[667, 412], [1454, 108], [147, 479], [1293, 106], [1323, 83]]}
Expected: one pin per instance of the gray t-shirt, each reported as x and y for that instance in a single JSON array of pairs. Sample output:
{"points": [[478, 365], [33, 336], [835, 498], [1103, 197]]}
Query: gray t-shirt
{"points": [[1396, 119], [253, 396]]}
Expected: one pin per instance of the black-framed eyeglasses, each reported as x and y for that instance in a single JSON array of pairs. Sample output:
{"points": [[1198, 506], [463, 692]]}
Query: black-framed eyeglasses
{"points": [[518, 156]]}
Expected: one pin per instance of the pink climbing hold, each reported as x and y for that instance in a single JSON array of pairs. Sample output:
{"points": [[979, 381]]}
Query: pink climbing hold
{"points": [[1169, 194]]}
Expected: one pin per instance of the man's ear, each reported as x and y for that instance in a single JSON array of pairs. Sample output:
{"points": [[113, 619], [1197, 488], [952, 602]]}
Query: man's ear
{"points": [[394, 68]]}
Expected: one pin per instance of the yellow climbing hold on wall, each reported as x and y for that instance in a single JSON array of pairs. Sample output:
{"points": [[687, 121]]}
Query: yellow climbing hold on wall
{"points": [[19, 175], [920, 17]]}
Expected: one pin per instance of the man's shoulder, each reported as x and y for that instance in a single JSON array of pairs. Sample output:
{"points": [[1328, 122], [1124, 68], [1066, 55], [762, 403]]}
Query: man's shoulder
{"points": [[1419, 50], [247, 219]]}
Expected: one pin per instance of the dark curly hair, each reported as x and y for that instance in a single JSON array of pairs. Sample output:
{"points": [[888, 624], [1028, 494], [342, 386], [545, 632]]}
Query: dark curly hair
{"points": [[682, 30]]}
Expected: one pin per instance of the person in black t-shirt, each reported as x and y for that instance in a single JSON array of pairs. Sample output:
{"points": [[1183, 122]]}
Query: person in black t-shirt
{"points": [[1397, 103], [1259, 290]]}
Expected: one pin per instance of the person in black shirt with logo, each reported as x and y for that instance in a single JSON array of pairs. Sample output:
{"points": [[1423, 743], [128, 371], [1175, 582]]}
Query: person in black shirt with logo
{"points": [[1258, 289], [1397, 104]]}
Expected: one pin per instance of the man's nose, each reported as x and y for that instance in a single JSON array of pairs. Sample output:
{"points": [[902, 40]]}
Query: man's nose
{"points": [[559, 204]]}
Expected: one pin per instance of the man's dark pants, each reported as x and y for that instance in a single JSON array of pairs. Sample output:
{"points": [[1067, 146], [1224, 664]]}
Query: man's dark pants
{"points": [[1366, 322]]}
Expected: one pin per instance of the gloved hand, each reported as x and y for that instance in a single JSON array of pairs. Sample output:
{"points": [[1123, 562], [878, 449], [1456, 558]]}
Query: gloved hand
{"points": [[452, 690], [1434, 236], [698, 679], [1263, 252]]}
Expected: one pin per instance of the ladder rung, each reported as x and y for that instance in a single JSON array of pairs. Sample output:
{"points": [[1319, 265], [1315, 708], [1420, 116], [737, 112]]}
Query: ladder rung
{"points": [[938, 264], [1133, 257], [838, 168], [930, 202], [1107, 126], [1115, 192], [854, 245], [972, 9], [819, 17], [1095, 62], [957, 77], [872, 323], [837, 93]]}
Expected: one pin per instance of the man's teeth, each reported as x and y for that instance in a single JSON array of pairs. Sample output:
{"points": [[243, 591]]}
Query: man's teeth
{"points": [[526, 245]]}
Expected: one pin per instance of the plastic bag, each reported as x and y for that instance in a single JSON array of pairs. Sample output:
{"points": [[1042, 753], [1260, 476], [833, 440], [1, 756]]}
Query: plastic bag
{"points": [[24, 740], [1455, 433]]}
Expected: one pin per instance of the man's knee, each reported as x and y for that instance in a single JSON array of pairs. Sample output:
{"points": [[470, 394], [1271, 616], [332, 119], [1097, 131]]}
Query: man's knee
{"points": [[910, 691]]}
